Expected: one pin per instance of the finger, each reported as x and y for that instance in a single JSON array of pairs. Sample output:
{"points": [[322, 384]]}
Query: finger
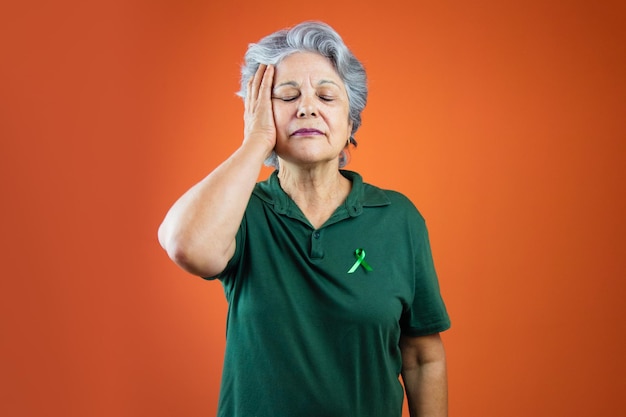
{"points": [[256, 82], [265, 90], [248, 100]]}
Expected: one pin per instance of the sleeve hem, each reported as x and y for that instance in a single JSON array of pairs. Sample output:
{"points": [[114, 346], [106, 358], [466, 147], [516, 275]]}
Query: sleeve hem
{"points": [[425, 331]]}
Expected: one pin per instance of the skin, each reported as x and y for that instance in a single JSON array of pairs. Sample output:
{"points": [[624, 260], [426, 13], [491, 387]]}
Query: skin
{"points": [[309, 94], [299, 109], [311, 116], [424, 375]]}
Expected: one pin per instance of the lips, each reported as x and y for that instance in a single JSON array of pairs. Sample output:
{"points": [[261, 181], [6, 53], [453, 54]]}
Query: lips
{"points": [[307, 132]]}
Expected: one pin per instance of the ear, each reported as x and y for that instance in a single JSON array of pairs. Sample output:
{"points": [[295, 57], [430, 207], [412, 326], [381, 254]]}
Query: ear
{"points": [[350, 124]]}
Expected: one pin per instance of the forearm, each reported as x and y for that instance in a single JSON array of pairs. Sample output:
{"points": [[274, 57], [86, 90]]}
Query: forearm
{"points": [[199, 230], [427, 390], [424, 375]]}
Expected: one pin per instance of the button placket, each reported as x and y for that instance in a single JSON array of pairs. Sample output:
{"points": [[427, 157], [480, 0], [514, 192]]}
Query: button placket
{"points": [[317, 251]]}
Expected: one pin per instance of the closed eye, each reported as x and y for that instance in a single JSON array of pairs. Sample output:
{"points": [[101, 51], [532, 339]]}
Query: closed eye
{"points": [[286, 98], [327, 98]]}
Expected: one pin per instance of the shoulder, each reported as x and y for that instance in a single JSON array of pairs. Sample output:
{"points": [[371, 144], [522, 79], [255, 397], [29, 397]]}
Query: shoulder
{"points": [[397, 201], [370, 195], [400, 216], [265, 190], [269, 192]]}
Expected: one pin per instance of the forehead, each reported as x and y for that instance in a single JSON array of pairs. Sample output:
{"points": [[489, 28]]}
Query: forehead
{"points": [[302, 66]]}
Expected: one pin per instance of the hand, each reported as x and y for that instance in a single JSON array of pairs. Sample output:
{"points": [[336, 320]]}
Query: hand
{"points": [[258, 114]]}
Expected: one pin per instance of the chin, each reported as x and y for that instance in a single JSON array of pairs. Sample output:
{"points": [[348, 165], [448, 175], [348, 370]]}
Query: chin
{"points": [[310, 162]]}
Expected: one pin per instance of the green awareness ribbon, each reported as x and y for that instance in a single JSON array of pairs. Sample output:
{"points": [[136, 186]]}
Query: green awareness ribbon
{"points": [[360, 260]]}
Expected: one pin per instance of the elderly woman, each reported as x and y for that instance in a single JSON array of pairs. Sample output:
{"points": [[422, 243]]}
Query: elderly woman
{"points": [[330, 281]]}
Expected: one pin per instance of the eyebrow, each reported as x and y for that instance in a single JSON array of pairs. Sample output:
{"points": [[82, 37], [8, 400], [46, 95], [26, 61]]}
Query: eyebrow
{"points": [[295, 84]]}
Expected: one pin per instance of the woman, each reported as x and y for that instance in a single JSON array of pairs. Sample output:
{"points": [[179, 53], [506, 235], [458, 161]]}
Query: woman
{"points": [[330, 282]]}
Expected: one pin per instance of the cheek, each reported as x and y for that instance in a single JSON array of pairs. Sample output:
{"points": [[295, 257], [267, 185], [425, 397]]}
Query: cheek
{"points": [[280, 115], [343, 122], [281, 123]]}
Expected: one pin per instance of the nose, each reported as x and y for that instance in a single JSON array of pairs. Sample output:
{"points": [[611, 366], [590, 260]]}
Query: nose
{"points": [[307, 107]]}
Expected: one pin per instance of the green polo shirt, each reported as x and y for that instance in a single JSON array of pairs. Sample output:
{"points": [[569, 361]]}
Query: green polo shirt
{"points": [[307, 338]]}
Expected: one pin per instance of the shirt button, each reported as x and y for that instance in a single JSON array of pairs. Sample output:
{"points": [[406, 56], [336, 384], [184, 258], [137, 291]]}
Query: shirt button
{"points": [[316, 235]]}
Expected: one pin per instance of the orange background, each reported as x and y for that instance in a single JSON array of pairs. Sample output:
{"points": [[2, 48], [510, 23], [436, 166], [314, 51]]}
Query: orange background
{"points": [[502, 120]]}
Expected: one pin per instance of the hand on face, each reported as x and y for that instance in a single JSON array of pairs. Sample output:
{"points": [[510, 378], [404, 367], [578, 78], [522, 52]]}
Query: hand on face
{"points": [[258, 114], [311, 110]]}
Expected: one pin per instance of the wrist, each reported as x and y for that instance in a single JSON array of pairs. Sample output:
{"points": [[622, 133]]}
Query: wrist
{"points": [[260, 147]]}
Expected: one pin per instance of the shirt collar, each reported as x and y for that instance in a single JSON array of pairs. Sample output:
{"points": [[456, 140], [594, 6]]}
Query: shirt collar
{"points": [[361, 195]]}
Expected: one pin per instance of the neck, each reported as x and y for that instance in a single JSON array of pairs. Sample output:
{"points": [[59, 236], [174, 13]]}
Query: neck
{"points": [[317, 192], [311, 184]]}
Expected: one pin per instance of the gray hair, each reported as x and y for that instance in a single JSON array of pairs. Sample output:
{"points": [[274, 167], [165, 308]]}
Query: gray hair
{"points": [[315, 37]]}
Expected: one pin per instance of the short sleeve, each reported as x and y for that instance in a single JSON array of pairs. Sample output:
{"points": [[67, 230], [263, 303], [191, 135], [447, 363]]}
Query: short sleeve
{"points": [[427, 313]]}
